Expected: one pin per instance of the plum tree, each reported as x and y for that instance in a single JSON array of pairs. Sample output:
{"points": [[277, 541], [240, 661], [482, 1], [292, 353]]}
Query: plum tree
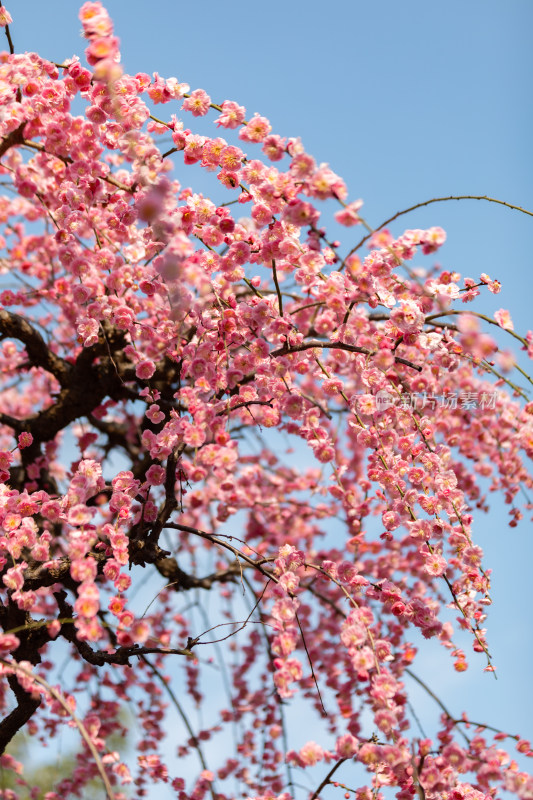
{"points": [[160, 350]]}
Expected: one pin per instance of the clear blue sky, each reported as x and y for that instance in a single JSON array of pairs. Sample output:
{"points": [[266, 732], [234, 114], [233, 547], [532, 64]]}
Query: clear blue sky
{"points": [[407, 101]]}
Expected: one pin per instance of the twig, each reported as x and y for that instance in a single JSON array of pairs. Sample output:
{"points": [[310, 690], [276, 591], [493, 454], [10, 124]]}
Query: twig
{"points": [[436, 699], [194, 739], [242, 624], [79, 724], [276, 284], [324, 712], [221, 543], [454, 312], [9, 40], [327, 779], [438, 200]]}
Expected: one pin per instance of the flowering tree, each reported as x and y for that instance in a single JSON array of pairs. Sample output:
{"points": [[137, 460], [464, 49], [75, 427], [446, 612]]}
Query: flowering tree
{"points": [[159, 350]]}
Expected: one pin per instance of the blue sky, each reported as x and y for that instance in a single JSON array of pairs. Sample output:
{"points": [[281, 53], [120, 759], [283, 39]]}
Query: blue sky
{"points": [[406, 101]]}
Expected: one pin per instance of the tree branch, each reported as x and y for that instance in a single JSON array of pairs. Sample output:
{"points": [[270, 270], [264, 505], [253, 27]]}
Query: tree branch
{"points": [[327, 779], [351, 348], [182, 581], [98, 658], [26, 707], [221, 543], [437, 200], [12, 139], [16, 327]]}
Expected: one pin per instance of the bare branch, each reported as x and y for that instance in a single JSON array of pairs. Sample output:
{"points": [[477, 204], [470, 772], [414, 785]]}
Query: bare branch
{"points": [[438, 200], [327, 779], [221, 543], [276, 284], [193, 738]]}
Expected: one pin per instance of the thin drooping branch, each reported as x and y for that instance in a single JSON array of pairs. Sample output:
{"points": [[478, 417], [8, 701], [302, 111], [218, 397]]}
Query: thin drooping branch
{"points": [[79, 724], [258, 564], [437, 200], [193, 738], [484, 317], [432, 694], [449, 715], [310, 662]]}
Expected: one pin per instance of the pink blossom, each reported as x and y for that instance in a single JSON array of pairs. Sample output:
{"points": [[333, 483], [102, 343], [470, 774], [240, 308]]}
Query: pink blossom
{"points": [[145, 369], [5, 16], [80, 514], [323, 450], [87, 603], [229, 179], [14, 577], [232, 115], [503, 318], [435, 564], [311, 753], [88, 332], [154, 413], [274, 147], [126, 619], [432, 239], [285, 609], [256, 130], [95, 20], [84, 569], [102, 48], [194, 145], [197, 103], [408, 317], [8, 642], [349, 216], [366, 404], [324, 183], [346, 746]]}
